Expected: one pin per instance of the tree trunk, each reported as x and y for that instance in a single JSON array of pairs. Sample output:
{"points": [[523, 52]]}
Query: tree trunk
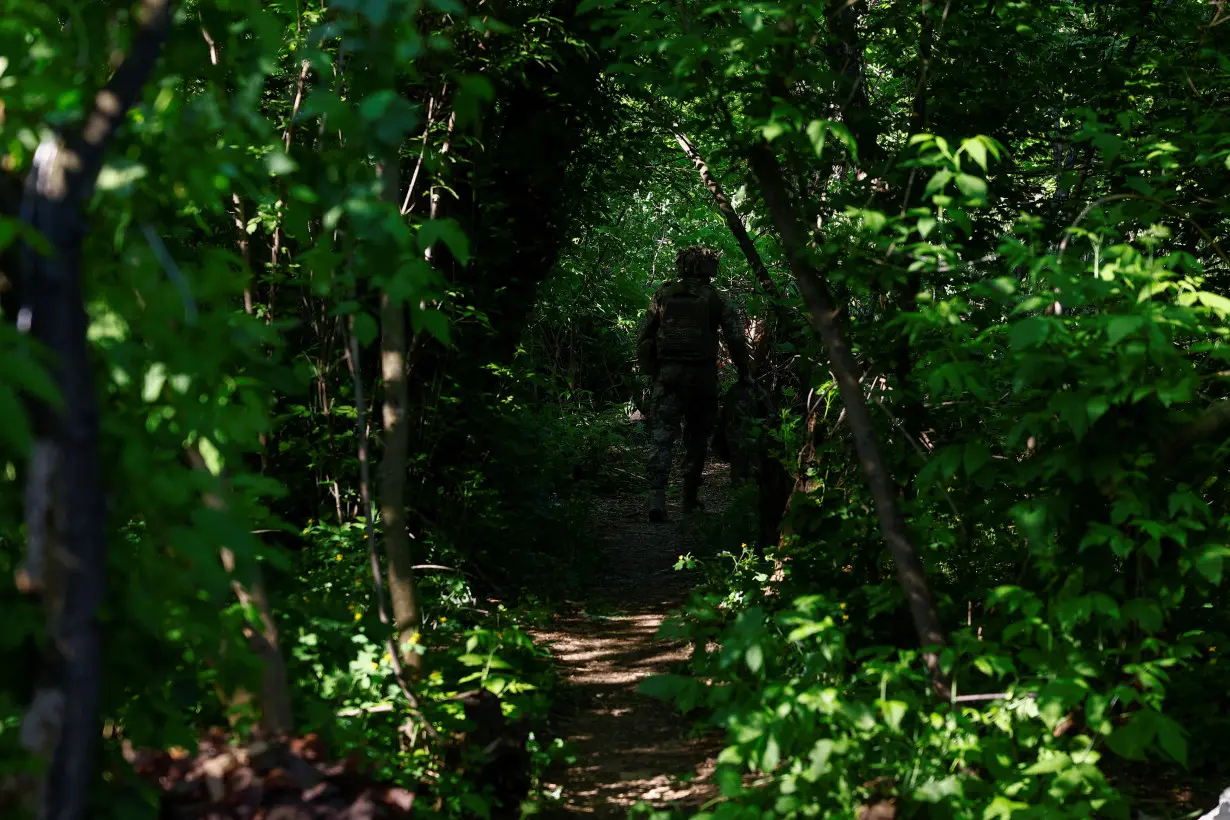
{"points": [[67, 560], [823, 314], [393, 462]]}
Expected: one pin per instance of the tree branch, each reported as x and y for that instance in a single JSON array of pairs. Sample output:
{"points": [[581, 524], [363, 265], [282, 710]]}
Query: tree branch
{"points": [[823, 314]]}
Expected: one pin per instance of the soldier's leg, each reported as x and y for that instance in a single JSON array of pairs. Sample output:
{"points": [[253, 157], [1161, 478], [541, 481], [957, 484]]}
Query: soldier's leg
{"points": [[698, 427], [665, 416]]}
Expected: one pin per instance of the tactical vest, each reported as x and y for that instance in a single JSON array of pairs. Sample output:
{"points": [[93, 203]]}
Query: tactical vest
{"points": [[689, 318]]}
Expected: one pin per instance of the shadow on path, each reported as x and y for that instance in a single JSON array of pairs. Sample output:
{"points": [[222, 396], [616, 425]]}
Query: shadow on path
{"points": [[629, 747]]}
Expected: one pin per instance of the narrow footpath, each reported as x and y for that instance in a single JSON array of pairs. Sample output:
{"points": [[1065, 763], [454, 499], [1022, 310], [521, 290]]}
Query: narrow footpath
{"points": [[630, 748]]}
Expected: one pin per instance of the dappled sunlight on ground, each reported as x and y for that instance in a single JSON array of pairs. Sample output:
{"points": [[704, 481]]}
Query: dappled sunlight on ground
{"points": [[630, 747]]}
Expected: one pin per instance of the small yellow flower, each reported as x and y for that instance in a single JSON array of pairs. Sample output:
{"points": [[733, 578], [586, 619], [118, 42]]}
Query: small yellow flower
{"points": [[305, 597], [845, 617], [443, 619], [311, 522], [358, 616], [375, 665], [1212, 648], [387, 657], [414, 638], [339, 556], [843, 604]]}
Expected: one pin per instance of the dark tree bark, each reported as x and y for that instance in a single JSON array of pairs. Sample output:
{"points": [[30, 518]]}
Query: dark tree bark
{"points": [[67, 549]]}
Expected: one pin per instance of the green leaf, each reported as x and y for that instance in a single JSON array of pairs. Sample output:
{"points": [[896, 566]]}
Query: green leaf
{"points": [[1219, 304], [772, 756], [819, 759], [446, 231], [772, 130], [15, 431], [937, 182], [843, 135], [391, 113], [1029, 332], [817, 133], [473, 92], [1134, 737], [120, 174], [155, 378], [1003, 808], [434, 322], [975, 188], [873, 221], [977, 151], [754, 658], [960, 217], [894, 712], [1109, 144], [365, 329], [1210, 561], [1048, 763], [977, 455], [666, 687], [211, 455], [937, 791], [1170, 738], [925, 225], [278, 163], [1096, 407], [1118, 327]]}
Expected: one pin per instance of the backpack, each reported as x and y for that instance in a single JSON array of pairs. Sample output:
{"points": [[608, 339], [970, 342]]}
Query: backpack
{"points": [[687, 329]]}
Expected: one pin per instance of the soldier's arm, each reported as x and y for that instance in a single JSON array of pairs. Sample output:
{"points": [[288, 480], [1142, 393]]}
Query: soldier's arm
{"points": [[646, 342], [736, 341]]}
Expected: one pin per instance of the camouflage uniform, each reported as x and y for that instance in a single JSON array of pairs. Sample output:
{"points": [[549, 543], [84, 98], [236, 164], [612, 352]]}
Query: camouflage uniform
{"points": [[678, 349]]}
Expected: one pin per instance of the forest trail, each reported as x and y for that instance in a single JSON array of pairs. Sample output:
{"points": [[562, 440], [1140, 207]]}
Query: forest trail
{"points": [[630, 747]]}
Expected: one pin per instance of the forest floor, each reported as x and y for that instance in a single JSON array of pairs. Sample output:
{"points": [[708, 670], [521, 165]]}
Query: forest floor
{"points": [[630, 748]]}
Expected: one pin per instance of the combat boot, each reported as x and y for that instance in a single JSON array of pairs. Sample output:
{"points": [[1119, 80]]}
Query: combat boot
{"points": [[657, 505], [691, 501]]}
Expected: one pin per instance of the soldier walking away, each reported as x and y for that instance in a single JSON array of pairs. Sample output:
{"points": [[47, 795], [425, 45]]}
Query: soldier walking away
{"points": [[678, 349]]}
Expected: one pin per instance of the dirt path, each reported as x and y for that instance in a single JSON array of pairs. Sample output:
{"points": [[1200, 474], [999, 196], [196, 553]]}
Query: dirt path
{"points": [[629, 747]]}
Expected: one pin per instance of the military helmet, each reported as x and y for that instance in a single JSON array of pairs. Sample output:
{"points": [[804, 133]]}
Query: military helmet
{"points": [[697, 262]]}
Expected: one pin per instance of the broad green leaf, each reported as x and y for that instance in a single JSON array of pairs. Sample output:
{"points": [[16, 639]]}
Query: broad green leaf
{"points": [[977, 151], [1210, 561], [448, 232], [975, 188], [1119, 327], [15, 431], [937, 182], [1029, 332], [817, 133], [977, 456], [473, 92], [894, 712], [279, 164], [365, 329], [211, 455], [1170, 738], [120, 174], [1219, 304], [155, 378], [754, 657], [434, 322]]}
